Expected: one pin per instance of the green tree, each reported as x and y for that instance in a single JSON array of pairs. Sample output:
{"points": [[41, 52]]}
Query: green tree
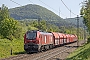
{"points": [[4, 12], [52, 28], [85, 12], [42, 25], [34, 23], [7, 24], [7, 27]]}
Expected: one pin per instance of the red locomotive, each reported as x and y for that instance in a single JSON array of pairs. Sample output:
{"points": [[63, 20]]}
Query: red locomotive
{"points": [[35, 40]]}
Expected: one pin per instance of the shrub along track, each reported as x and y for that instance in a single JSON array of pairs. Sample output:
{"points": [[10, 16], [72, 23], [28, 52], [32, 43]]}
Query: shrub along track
{"points": [[59, 53]]}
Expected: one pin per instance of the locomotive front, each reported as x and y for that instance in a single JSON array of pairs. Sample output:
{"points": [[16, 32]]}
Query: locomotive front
{"points": [[31, 42]]}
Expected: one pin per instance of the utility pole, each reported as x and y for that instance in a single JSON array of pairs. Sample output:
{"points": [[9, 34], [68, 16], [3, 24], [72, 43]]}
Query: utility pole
{"points": [[78, 30]]}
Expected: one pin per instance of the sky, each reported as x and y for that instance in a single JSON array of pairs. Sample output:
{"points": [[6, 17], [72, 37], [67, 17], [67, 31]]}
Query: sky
{"points": [[55, 6]]}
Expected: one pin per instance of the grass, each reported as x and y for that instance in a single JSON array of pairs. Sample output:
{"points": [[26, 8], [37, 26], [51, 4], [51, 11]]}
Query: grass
{"points": [[82, 53], [6, 45]]}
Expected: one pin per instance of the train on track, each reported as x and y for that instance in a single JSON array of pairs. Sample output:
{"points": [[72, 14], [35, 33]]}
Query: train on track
{"points": [[36, 41]]}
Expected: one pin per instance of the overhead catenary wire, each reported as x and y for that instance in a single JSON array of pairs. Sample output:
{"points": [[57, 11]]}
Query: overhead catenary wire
{"points": [[53, 8], [38, 18], [15, 2], [30, 9], [31, 1], [68, 8], [35, 11], [48, 5]]}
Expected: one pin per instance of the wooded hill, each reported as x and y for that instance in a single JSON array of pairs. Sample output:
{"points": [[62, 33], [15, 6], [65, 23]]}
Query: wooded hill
{"points": [[31, 11], [34, 12], [73, 21]]}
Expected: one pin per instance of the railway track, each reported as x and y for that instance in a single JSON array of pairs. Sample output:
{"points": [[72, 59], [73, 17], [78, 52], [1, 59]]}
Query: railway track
{"points": [[49, 55], [60, 50], [46, 55]]}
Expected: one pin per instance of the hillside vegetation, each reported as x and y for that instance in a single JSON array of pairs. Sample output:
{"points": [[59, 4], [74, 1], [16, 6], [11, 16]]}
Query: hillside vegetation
{"points": [[6, 45], [85, 12], [35, 12], [32, 11], [73, 21], [82, 53]]}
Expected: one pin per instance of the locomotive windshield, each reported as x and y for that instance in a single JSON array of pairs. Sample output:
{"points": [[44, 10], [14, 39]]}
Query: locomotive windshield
{"points": [[31, 35]]}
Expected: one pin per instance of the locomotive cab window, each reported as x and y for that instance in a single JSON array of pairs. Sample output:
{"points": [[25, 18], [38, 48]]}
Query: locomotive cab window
{"points": [[31, 35]]}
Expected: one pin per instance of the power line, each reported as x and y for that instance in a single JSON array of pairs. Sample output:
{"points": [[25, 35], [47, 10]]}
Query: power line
{"points": [[31, 1], [39, 18], [61, 13], [15, 2], [44, 4], [68, 8], [53, 8], [48, 5], [21, 5]]}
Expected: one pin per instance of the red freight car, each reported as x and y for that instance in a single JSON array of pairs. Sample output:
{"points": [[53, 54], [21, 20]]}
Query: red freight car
{"points": [[61, 38], [64, 38], [73, 38], [56, 38], [68, 38]]}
